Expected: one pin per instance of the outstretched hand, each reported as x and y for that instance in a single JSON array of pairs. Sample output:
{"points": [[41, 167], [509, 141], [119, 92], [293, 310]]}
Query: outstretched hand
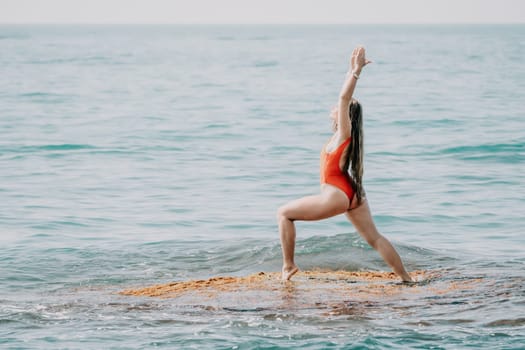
{"points": [[359, 60]]}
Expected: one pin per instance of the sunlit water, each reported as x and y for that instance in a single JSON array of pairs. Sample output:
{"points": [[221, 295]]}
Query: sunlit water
{"points": [[138, 155]]}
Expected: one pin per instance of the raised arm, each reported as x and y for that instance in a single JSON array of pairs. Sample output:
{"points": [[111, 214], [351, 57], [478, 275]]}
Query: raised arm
{"points": [[357, 62]]}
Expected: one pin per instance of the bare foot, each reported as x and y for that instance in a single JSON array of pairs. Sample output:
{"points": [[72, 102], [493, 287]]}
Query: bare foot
{"points": [[407, 279], [288, 272]]}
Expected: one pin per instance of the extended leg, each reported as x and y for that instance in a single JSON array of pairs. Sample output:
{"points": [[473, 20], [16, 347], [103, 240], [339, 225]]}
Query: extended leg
{"points": [[362, 220]]}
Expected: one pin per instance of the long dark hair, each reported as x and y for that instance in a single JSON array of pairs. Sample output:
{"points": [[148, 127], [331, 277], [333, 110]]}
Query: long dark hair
{"points": [[354, 161]]}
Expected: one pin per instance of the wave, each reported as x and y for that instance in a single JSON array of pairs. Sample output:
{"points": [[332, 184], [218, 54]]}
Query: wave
{"points": [[44, 97], [50, 147], [14, 36], [169, 260], [39, 94], [425, 124], [64, 147], [339, 252], [51, 150], [22, 151], [81, 60], [486, 148], [498, 152]]}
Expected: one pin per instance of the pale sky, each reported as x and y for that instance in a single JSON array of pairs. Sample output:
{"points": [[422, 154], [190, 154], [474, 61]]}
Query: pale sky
{"points": [[262, 11]]}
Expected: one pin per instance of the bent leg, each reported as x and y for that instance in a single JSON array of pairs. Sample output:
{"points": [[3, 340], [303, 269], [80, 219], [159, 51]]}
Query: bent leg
{"points": [[315, 207], [362, 220]]}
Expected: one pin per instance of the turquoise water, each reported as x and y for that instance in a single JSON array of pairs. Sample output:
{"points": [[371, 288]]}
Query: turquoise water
{"points": [[137, 155]]}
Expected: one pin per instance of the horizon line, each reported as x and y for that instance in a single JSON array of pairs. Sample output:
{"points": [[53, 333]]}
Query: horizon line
{"points": [[261, 23]]}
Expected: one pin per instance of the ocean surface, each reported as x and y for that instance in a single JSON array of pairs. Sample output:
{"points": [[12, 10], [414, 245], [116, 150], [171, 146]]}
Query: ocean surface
{"points": [[140, 155]]}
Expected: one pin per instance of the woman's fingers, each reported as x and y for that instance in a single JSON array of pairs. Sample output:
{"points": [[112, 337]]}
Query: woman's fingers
{"points": [[361, 52], [359, 57]]}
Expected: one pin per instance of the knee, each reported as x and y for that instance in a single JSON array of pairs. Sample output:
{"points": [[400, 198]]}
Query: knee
{"points": [[283, 213]]}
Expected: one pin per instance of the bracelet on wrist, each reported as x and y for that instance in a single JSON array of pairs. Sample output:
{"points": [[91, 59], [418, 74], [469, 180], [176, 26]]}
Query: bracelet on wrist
{"points": [[354, 74]]}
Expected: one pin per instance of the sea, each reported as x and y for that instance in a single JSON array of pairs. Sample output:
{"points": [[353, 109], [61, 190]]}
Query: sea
{"points": [[136, 155]]}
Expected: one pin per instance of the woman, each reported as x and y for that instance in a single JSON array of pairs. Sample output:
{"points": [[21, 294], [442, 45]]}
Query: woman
{"points": [[340, 192]]}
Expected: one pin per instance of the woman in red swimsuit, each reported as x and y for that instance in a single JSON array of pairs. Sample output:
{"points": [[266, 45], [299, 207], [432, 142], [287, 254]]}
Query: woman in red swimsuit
{"points": [[341, 191]]}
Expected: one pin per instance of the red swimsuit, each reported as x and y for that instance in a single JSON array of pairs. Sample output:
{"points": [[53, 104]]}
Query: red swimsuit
{"points": [[331, 172]]}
